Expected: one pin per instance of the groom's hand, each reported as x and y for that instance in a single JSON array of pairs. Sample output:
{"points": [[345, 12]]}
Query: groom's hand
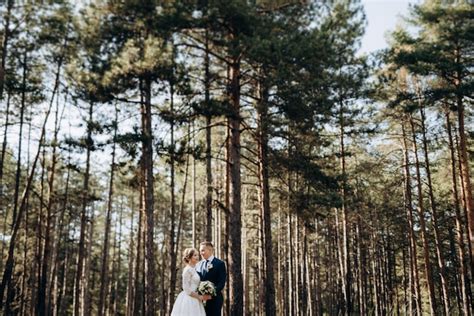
{"points": [[206, 297]]}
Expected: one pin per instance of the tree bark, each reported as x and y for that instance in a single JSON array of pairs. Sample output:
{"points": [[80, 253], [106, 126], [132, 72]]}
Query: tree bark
{"points": [[424, 237], [434, 214], [291, 277], [235, 220], [117, 263], [463, 199], [172, 214], [87, 286], [463, 274], [79, 278], [7, 273], [265, 212], [414, 278], [207, 99], [43, 297], [24, 288], [20, 138], [147, 150], [227, 218], [131, 275], [183, 199], [464, 163], [6, 38], [361, 276], [193, 194], [346, 267], [2, 163], [104, 277], [280, 271], [22, 294], [57, 294], [138, 304]]}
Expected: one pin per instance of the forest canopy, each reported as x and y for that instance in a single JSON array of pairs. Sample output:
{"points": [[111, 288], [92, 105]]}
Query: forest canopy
{"points": [[330, 182]]}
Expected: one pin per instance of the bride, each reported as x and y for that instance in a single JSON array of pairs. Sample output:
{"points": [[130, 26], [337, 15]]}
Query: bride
{"points": [[189, 302]]}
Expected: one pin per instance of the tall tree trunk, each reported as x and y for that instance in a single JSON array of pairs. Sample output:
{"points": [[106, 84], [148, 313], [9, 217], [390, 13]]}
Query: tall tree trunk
{"points": [[23, 292], [414, 278], [104, 272], [259, 297], [193, 190], [464, 203], [131, 275], [280, 286], [43, 297], [36, 270], [172, 217], [207, 99], [346, 267], [246, 279], [88, 285], [340, 258], [58, 223], [407, 300], [464, 162], [423, 231], [377, 275], [18, 172], [24, 277], [434, 214], [117, 262], [361, 277], [291, 277], [147, 150], [6, 38], [296, 260], [20, 138], [2, 163], [463, 274], [290, 290], [8, 271], [138, 303], [304, 272], [62, 307], [79, 278], [183, 198], [235, 220], [262, 134], [227, 206], [57, 295]]}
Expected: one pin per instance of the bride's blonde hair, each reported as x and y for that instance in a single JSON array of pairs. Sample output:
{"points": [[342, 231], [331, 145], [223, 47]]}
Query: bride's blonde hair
{"points": [[188, 253]]}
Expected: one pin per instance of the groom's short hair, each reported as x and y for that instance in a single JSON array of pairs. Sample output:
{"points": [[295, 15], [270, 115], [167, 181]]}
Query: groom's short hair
{"points": [[207, 244]]}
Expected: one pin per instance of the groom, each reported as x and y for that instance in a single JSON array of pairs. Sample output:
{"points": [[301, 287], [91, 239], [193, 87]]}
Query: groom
{"points": [[212, 269]]}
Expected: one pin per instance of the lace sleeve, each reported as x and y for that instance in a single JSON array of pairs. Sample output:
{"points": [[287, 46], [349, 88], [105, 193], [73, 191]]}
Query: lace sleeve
{"points": [[187, 281]]}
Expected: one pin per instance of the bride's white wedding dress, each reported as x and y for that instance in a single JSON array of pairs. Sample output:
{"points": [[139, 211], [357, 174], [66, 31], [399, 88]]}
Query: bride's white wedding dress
{"points": [[185, 304]]}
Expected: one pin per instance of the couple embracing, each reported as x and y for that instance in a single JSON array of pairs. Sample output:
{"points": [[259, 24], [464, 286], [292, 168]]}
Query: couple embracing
{"points": [[203, 282]]}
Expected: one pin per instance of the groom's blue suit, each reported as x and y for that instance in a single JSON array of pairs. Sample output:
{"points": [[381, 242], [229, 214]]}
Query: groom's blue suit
{"points": [[217, 275]]}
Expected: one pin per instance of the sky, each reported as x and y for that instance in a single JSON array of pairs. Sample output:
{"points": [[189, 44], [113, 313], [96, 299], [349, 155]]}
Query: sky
{"points": [[382, 17]]}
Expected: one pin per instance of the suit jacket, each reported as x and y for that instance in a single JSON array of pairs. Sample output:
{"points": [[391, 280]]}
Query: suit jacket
{"points": [[216, 274]]}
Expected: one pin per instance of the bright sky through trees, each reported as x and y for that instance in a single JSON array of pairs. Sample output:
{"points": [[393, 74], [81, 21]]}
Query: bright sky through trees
{"points": [[382, 17]]}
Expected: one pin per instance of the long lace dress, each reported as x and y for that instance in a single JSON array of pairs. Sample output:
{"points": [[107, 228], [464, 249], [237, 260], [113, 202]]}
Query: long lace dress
{"points": [[185, 304]]}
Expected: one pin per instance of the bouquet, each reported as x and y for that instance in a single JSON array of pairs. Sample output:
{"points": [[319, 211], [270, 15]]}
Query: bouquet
{"points": [[206, 288]]}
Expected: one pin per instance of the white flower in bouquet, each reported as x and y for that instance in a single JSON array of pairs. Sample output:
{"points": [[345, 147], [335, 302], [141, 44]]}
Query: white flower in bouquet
{"points": [[207, 288]]}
